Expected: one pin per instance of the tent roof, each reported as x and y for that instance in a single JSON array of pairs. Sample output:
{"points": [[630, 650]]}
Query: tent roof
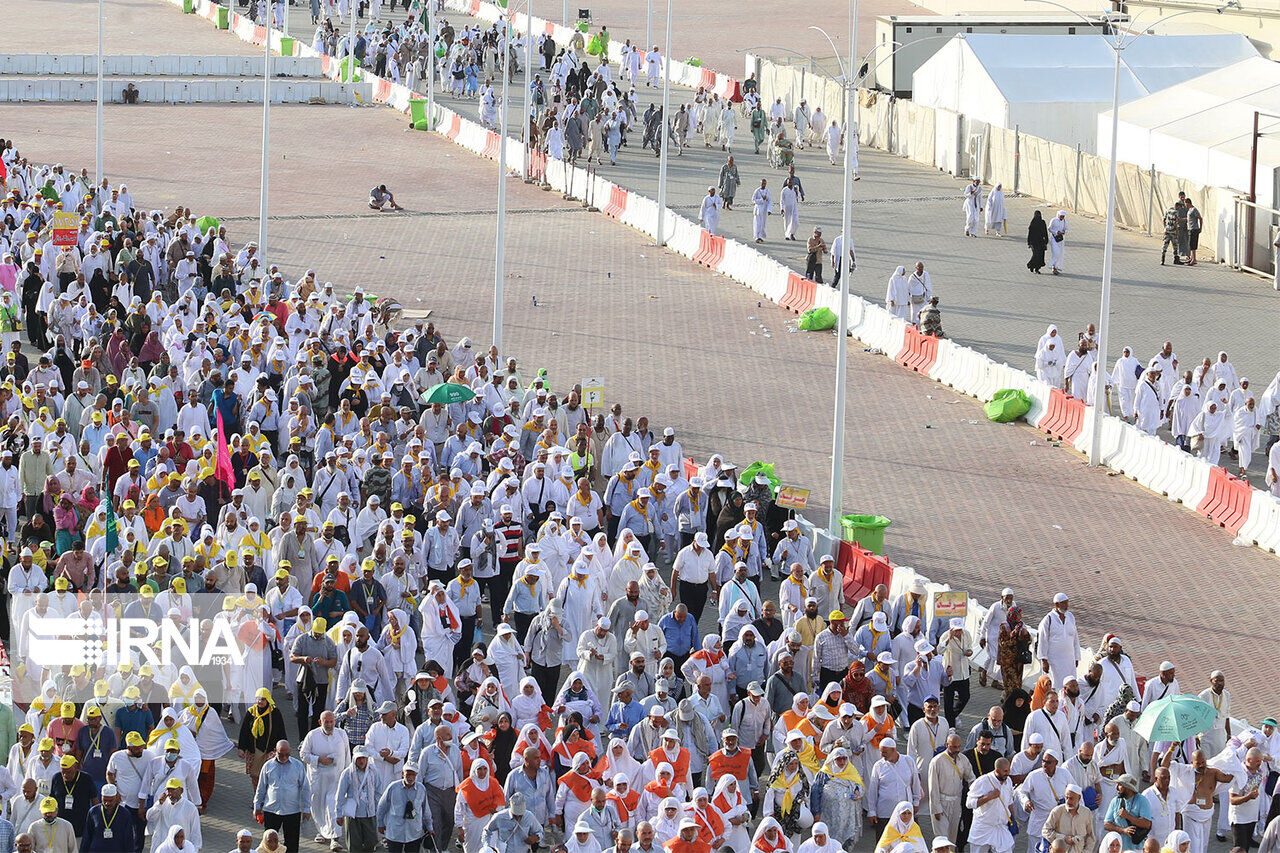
{"points": [[1215, 110], [1080, 68]]}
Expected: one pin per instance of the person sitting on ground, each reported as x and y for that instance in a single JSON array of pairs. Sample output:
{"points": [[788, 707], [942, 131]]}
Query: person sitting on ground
{"points": [[381, 198], [931, 319]]}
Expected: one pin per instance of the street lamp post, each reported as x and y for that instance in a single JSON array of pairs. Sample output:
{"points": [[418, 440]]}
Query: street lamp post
{"points": [[98, 166], [846, 268], [266, 130], [664, 133], [431, 65], [499, 265], [528, 92]]}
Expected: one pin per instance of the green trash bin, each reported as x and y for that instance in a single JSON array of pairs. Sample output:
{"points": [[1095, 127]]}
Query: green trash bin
{"points": [[865, 530], [222, 17]]}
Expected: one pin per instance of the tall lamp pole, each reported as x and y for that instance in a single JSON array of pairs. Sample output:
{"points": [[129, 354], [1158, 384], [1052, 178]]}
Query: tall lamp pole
{"points": [[98, 166], [664, 133], [266, 140], [499, 265], [846, 270]]}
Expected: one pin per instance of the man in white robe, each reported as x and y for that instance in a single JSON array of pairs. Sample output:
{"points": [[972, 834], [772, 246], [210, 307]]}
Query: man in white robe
{"points": [[598, 656], [1124, 378], [388, 743], [833, 136], [997, 216], [790, 210], [1147, 403], [762, 206], [581, 598], [652, 66], [1059, 641], [709, 214], [327, 752], [992, 800]]}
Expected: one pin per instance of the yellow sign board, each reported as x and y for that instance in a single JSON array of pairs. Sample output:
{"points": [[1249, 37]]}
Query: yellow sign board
{"points": [[950, 604], [793, 497], [65, 228]]}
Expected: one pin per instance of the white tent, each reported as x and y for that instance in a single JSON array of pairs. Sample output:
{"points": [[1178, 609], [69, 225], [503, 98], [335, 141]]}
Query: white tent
{"points": [[1202, 130], [1054, 86]]}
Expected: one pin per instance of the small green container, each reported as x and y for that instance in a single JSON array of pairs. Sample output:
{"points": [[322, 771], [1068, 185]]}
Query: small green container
{"points": [[865, 530]]}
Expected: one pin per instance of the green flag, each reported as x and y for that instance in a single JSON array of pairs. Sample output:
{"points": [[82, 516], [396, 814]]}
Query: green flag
{"points": [[113, 533]]}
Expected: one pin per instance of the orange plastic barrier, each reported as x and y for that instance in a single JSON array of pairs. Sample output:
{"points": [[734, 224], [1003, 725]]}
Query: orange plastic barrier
{"points": [[710, 250], [800, 294], [919, 352], [862, 571], [1064, 417], [617, 203], [1226, 503], [491, 146]]}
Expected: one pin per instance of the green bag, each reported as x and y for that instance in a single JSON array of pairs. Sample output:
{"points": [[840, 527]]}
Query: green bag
{"points": [[204, 223], [593, 46], [1008, 404], [818, 320], [749, 473]]}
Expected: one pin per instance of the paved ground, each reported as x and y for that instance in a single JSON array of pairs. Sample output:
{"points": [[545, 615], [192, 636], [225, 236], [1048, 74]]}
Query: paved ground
{"points": [[130, 27], [978, 504]]}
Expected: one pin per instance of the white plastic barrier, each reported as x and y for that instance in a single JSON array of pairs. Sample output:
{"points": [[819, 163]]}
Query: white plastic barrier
{"points": [[1263, 526]]}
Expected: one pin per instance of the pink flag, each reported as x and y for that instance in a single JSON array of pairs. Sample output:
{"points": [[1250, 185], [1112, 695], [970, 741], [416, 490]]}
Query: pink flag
{"points": [[222, 469]]}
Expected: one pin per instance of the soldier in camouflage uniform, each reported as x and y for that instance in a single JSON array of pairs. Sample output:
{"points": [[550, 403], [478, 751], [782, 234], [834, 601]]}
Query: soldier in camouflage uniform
{"points": [[1171, 220]]}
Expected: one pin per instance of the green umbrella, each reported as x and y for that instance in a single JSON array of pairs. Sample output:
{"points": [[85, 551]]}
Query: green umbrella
{"points": [[448, 392], [1175, 718]]}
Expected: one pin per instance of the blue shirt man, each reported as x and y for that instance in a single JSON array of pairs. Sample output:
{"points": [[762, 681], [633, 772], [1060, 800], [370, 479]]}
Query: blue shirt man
{"points": [[1127, 806], [681, 631], [403, 816], [110, 827]]}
